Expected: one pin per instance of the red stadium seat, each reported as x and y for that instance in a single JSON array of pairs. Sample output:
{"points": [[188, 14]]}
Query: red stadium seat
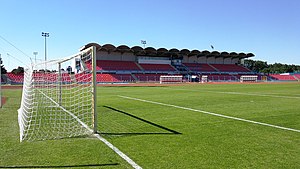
{"points": [[17, 78], [116, 65], [157, 67], [114, 78], [282, 77], [199, 67], [230, 68]]}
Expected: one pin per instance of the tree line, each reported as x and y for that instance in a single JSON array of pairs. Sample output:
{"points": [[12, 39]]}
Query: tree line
{"points": [[19, 70], [263, 67]]}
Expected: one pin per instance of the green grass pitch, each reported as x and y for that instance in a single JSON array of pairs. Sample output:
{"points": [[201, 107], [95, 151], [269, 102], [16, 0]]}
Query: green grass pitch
{"points": [[160, 136]]}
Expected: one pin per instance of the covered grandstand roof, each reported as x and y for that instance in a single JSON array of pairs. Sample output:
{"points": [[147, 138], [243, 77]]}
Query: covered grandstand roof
{"points": [[150, 51]]}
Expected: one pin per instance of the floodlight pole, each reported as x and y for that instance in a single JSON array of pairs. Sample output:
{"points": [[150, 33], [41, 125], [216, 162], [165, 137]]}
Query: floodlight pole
{"points": [[143, 42], [35, 53], [45, 34]]}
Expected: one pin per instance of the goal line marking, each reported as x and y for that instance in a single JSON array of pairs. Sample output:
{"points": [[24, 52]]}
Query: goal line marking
{"points": [[210, 113], [254, 94], [119, 152], [111, 146]]}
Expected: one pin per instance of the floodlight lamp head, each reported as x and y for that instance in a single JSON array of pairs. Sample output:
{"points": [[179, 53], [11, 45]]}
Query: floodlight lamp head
{"points": [[45, 34]]}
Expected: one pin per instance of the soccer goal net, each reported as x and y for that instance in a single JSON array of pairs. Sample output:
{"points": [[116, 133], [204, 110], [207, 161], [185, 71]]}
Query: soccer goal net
{"points": [[59, 98], [170, 79]]}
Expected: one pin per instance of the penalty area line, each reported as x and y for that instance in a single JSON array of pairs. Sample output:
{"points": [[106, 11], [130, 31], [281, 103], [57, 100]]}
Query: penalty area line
{"points": [[119, 152], [210, 113]]}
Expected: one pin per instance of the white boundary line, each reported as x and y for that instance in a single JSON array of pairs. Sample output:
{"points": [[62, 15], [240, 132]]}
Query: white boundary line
{"points": [[210, 113], [254, 94], [120, 153], [240, 93]]}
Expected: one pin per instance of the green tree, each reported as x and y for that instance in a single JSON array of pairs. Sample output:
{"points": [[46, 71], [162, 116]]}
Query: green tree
{"points": [[259, 66], [19, 70], [3, 70], [264, 67], [249, 63]]}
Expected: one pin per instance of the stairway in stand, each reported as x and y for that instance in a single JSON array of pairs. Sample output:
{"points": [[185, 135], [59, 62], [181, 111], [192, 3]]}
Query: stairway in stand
{"points": [[297, 77]]}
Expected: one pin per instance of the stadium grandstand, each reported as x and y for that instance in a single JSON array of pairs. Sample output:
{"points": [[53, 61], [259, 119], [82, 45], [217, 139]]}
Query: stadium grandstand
{"points": [[124, 64], [137, 64]]}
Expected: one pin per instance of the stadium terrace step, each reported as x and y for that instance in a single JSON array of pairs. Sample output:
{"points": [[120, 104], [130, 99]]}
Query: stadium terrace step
{"points": [[157, 67], [229, 68], [116, 65]]}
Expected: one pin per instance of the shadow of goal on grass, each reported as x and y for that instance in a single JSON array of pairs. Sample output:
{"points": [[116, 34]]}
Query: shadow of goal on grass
{"points": [[62, 166], [159, 129]]}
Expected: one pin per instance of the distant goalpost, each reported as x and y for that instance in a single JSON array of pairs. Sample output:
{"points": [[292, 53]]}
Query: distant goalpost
{"points": [[170, 79], [57, 104]]}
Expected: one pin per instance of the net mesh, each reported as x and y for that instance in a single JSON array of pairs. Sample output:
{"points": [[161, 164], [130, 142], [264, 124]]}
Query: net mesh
{"points": [[57, 99]]}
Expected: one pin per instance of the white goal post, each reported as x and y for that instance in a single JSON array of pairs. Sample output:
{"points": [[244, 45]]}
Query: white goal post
{"points": [[204, 79], [57, 102], [170, 79]]}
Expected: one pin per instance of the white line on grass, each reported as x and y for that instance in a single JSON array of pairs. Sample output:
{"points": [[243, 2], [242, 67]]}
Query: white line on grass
{"points": [[240, 93], [296, 95], [210, 113], [120, 153], [254, 94]]}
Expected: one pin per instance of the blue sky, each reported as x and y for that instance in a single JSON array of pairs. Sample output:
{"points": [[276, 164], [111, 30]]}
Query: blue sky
{"points": [[268, 28]]}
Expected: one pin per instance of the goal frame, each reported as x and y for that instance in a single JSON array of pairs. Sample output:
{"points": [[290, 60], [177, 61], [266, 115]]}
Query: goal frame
{"points": [[31, 85], [168, 79], [248, 78], [94, 84]]}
